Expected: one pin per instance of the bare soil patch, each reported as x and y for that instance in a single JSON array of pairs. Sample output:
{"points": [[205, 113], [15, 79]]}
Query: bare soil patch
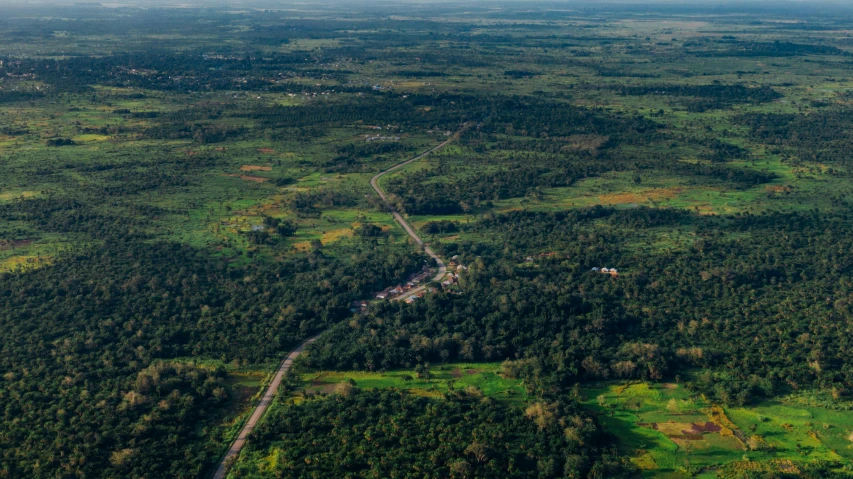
{"points": [[319, 387], [4, 245], [674, 429], [707, 427], [256, 179], [639, 197], [255, 168]]}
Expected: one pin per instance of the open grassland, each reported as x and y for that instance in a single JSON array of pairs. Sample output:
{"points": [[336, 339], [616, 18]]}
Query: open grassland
{"points": [[670, 432], [474, 378]]}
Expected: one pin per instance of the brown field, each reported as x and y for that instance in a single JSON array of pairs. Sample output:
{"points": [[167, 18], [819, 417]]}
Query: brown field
{"points": [[14, 244], [268, 151], [639, 197], [255, 168], [334, 235], [256, 179], [319, 387], [302, 246], [673, 429]]}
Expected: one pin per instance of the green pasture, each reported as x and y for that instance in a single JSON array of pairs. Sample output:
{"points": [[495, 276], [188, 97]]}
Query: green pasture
{"points": [[480, 378], [653, 424]]}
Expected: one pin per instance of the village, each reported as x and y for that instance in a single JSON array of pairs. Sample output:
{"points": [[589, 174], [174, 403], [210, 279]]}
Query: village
{"points": [[381, 138], [413, 289], [451, 279]]}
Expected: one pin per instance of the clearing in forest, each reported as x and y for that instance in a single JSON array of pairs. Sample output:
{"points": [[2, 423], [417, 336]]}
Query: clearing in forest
{"points": [[439, 379], [667, 431], [255, 168]]}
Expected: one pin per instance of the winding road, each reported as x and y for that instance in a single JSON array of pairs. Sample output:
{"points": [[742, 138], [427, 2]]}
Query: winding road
{"points": [[374, 182], [269, 394]]}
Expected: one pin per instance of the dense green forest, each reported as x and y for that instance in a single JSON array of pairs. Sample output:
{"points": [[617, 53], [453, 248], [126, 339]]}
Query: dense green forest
{"points": [[186, 197], [757, 307], [391, 434], [85, 342]]}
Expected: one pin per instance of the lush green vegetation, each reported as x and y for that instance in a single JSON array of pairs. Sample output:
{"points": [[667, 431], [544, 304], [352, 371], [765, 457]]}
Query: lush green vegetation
{"points": [[669, 431], [185, 196], [391, 434], [485, 379]]}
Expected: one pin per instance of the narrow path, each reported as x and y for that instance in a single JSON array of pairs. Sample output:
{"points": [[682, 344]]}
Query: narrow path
{"points": [[261, 408], [259, 411]]}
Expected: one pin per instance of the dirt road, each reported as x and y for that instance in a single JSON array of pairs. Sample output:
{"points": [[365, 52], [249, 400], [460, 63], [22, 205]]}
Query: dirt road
{"points": [[261, 408], [259, 411], [374, 182]]}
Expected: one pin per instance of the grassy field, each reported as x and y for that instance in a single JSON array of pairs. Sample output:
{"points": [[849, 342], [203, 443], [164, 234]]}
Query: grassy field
{"points": [[482, 377], [670, 433]]}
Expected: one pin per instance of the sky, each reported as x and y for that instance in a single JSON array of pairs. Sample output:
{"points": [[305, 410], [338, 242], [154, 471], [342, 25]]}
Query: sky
{"points": [[804, 5]]}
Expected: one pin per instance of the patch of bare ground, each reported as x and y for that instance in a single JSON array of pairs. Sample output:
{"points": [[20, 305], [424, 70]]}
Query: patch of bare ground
{"points": [[655, 194], [583, 142], [255, 168], [256, 179], [5, 244]]}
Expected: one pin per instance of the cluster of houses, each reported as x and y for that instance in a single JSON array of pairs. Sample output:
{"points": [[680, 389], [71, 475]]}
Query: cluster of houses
{"points": [[307, 93], [413, 282], [453, 270], [610, 271], [358, 306], [411, 299], [450, 280], [382, 138], [455, 265]]}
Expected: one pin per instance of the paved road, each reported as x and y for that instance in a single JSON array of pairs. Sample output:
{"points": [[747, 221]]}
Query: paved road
{"points": [[374, 182], [259, 411], [261, 408]]}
